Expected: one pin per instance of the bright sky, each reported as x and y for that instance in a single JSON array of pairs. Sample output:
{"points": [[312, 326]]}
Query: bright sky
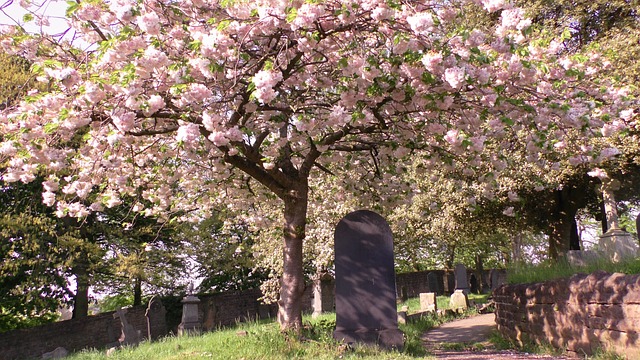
{"points": [[12, 14]]}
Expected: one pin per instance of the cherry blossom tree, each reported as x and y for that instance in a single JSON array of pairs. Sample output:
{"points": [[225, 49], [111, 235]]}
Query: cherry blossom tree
{"points": [[189, 105]]}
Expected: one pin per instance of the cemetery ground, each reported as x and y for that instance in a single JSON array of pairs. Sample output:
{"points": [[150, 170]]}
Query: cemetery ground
{"points": [[263, 340]]}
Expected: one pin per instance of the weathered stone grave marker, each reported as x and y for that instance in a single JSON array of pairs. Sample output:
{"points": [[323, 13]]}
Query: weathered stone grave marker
{"points": [[190, 317], [323, 294], [129, 335], [498, 278], [435, 286], [459, 301], [462, 282], [365, 281], [428, 302]]}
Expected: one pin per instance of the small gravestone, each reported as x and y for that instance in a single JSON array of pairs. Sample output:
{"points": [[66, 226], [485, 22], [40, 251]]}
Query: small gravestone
{"points": [[428, 302], [365, 281], [323, 294], [449, 282], [459, 300], [462, 282], [435, 286], [190, 316], [156, 319], [498, 278], [129, 335], [473, 282]]}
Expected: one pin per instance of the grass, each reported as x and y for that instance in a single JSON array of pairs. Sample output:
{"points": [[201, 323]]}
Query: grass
{"points": [[263, 340], [413, 304], [524, 273]]}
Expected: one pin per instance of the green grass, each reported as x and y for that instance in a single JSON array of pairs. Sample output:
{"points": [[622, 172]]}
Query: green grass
{"points": [[263, 340], [413, 304], [524, 273]]}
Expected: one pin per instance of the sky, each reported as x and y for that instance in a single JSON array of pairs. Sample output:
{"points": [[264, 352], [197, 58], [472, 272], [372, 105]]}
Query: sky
{"points": [[11, 12]]}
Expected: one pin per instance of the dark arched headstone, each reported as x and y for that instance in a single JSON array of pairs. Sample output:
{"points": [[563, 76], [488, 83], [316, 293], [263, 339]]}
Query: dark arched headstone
{"points": [[365, 281]]}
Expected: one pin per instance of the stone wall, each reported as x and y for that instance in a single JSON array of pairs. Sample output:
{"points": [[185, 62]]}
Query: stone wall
{"points": [[580, 314], [97, 331], [100, 331], [414, 283]]}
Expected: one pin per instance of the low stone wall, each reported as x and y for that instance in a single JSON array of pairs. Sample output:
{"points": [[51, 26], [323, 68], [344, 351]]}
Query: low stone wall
{"points": [[96, 331], [580, 314]]}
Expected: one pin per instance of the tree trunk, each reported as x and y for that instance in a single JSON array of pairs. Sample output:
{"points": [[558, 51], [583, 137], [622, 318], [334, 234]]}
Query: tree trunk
{"points": [[562, 219], [81, 301], [292, 283], [137, 291], [482, 285], [516, 248], [574, 243]]}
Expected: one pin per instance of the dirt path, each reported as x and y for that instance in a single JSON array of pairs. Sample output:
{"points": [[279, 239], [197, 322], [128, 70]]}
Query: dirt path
{"points": [[467, 339]]}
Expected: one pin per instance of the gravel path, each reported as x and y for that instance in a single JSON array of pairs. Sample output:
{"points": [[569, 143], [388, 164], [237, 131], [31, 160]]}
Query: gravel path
{"points": [[473, 330]]}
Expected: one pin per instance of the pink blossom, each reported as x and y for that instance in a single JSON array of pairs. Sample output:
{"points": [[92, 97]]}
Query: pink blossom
{"points": [[93, 93], [149, 23], [432, 61], [48, 198], [188, 133], [123, 120], [453, 137], [598, 173], [218, 138], [509, 211], [493, 5], [264, 81], [155, 103], [455, 77], [421, 23]]}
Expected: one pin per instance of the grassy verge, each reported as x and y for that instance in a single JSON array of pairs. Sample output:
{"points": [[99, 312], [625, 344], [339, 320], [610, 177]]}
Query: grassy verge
{"points": [[524, 273], [263, 340], [413, 304]]}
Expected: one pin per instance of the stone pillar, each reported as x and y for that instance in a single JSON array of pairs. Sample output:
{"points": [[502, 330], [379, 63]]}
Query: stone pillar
{"points": [[190, 320], [323, 294], [616, 243]]}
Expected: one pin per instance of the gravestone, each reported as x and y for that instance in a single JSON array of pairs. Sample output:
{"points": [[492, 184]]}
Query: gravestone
{"points": [[498, 278], [365, 281], [473, 281], [449, 282], [129, 335], [435, 283], [462, 283], [323, 294], [156, 319], [428, 302], [190, 318], [459, 300]]}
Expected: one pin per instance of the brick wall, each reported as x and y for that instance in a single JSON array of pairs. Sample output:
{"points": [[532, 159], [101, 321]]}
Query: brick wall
{"points": [[579, 314]]}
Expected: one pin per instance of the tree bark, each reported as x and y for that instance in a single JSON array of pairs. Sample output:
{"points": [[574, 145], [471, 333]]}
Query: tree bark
{"points": [[292, 283], [137, 291], [562, 219], [81, 301]]}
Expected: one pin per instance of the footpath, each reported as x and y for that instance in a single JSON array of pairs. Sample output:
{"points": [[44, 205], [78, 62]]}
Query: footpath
{"points": [[468, 339]]}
